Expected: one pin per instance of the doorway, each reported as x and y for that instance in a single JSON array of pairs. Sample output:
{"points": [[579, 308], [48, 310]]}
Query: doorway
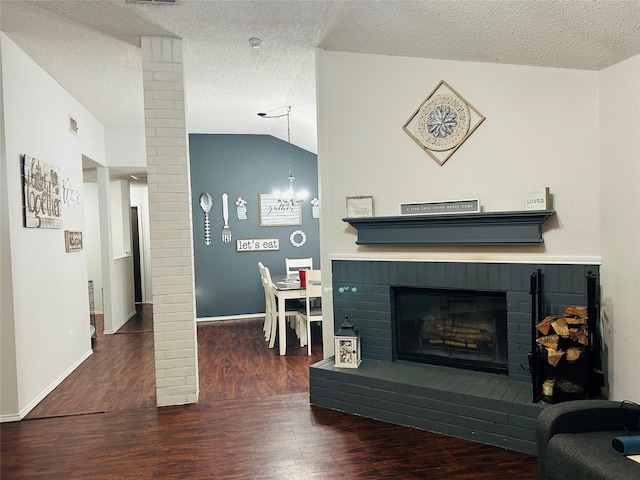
{"points": [[135, 240]]}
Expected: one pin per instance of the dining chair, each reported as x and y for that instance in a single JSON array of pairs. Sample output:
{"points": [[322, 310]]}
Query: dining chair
{"points": [[294, 264], [271, 305], [266, 327], [311, 313]]}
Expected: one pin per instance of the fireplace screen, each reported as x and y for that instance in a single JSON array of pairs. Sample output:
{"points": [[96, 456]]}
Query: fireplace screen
{"points": [[458, 328]]}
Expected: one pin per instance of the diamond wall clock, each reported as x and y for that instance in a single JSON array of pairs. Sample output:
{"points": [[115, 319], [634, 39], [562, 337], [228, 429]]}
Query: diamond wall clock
{"points": [[443, 122]]}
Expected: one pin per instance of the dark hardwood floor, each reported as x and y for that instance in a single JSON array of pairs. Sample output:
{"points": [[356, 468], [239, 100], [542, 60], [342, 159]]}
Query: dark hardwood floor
{"points": [[253, 420]]}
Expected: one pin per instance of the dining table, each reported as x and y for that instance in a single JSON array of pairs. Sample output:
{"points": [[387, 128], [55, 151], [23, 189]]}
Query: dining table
{"points": [[287, 288]]}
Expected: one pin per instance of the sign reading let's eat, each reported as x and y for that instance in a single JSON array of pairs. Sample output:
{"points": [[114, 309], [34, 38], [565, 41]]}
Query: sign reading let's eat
{"points": [[257, 244]]}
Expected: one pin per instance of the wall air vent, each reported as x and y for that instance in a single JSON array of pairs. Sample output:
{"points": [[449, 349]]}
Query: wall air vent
{"points": [[73, 125]]}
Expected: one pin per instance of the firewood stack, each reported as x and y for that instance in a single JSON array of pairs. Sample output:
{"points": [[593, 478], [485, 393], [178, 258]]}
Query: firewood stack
{"points": [[572, 326], [456, 336]]}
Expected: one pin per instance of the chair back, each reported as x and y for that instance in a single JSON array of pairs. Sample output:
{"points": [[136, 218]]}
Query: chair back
{"points": [[269, 291], [265, 286], [312, 291], [294, 264], [311, 313]]}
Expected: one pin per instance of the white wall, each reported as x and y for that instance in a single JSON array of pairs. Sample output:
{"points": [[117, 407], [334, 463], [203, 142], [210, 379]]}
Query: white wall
{"points": [[120, 218], [619, 99], [8, 373], [91, 239], [51, 311], [125, 146], [541, 130], [139, 198]]}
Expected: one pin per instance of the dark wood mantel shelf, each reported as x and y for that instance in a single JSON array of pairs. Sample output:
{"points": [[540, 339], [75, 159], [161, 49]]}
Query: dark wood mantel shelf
{"points": [[493, 228]]}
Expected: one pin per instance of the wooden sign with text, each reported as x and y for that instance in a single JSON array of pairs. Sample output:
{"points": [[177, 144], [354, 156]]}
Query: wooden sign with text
{"points": [[257, 244]]}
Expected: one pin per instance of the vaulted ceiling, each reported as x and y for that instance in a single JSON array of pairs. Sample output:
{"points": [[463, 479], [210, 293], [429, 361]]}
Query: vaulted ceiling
{"points": [[91, 47]]}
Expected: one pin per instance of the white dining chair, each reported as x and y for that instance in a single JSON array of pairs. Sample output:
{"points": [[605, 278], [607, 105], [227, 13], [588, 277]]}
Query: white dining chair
{"points": [[272, 308], [310, 313], [266, 327], [294, 264]]}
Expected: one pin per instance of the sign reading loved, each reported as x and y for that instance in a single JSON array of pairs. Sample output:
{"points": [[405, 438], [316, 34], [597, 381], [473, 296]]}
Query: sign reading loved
{"points": [[257, 244]]}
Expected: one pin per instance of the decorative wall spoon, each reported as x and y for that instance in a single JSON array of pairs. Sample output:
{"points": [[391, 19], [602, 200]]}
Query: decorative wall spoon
{"points": [[206, 202]]}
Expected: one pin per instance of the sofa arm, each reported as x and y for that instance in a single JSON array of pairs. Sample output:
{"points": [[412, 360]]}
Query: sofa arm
{"points": [[581, 416]]}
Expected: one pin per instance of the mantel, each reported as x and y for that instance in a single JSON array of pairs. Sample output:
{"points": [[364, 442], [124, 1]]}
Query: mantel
{"points": [[493, 228]]}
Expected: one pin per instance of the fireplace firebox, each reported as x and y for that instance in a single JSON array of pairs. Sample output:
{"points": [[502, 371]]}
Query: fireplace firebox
{"points": [[452, 327]]}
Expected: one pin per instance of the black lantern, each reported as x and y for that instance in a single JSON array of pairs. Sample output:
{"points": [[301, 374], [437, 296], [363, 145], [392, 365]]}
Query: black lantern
{"points": [[347, 346]]}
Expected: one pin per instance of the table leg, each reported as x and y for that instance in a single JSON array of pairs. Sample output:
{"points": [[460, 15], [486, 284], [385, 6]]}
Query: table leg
{"points": [[282, 325]]}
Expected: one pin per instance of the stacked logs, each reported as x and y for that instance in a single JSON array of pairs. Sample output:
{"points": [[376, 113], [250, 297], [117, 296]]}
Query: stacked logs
{"points": [[572, 325]]}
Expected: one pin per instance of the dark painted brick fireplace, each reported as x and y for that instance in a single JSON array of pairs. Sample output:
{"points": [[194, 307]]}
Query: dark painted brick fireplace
{"points": [[491, 408]]}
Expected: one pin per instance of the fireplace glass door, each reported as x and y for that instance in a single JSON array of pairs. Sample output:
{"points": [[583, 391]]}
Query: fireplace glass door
{"points": [[457, 328]]}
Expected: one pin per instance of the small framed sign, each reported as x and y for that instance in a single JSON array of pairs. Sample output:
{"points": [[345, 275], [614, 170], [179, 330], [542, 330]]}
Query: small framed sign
{"points": [[360, 206], [538, 199], [443, 207], [257, 244], [72, 241]]}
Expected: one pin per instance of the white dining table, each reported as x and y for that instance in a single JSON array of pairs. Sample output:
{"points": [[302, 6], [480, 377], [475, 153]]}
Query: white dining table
{"points": [[287, 288]]}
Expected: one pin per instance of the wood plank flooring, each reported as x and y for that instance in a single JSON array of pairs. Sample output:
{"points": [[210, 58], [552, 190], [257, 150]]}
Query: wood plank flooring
{"points": [[253, 421]]}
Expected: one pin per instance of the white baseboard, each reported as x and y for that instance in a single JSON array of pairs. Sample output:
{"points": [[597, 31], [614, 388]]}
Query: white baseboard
{"points": [[10, 418], [229, 317], [120, 325]]}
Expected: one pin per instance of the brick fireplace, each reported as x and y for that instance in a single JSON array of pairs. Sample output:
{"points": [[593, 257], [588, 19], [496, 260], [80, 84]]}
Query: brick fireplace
{"points": [[492, 408]]}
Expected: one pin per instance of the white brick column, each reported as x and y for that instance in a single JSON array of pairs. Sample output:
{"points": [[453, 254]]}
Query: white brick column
{"points": [[172, 276]]}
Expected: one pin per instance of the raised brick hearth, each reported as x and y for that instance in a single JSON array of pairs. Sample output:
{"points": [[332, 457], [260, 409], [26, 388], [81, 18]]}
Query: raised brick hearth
{"points": [[491, 408]]}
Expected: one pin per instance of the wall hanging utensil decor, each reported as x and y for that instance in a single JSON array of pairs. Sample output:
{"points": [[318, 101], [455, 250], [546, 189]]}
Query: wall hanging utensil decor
{"points": [[206, 202], [443, 122], [226, 231]]}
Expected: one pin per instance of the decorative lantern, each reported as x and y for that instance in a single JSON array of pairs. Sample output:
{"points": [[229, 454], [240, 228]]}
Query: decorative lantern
{"points": [[347, 345]]}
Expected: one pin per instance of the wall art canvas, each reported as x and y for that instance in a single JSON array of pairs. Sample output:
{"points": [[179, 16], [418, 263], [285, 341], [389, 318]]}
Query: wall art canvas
{"points": [[42, 194], [275, 212], [443, 122]]}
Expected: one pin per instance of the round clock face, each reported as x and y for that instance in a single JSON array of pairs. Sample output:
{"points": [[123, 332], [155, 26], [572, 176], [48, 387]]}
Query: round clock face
{"points": [[442, 122]]}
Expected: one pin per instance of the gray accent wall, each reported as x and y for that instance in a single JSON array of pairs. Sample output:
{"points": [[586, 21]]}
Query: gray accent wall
{"points": [[227, 282]]}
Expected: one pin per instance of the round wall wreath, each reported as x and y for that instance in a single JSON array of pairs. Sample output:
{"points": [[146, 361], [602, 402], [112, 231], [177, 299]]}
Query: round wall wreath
{"points": [[298, 243]]}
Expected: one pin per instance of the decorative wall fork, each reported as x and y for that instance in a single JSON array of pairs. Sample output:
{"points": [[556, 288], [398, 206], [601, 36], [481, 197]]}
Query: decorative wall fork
{"points": [[226, 231]]}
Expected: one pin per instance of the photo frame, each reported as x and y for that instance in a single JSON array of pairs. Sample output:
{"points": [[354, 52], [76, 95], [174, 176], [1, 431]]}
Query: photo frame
{"points": [[72, 241], [276, 212], [360, 206]]}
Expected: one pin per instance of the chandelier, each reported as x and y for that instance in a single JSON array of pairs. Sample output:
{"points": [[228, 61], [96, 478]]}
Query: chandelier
{"points": [[289, 195]]}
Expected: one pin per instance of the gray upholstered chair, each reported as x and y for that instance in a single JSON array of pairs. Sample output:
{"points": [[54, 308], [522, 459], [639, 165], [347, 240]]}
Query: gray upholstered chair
{"points": [[574, 440]]}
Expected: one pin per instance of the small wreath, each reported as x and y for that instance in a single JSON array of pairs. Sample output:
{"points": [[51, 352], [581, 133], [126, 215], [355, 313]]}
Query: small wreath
{"points": [[294, 242]]}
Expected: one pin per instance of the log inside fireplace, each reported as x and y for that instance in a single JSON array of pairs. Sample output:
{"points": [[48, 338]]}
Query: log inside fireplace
{"points": [[452, 327]]}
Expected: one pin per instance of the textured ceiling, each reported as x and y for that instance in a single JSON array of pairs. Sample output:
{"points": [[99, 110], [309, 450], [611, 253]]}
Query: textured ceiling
{"points": [[91, 47]]}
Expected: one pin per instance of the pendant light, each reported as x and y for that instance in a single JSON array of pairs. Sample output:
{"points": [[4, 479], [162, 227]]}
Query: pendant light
{"points": [[289, 195]]}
